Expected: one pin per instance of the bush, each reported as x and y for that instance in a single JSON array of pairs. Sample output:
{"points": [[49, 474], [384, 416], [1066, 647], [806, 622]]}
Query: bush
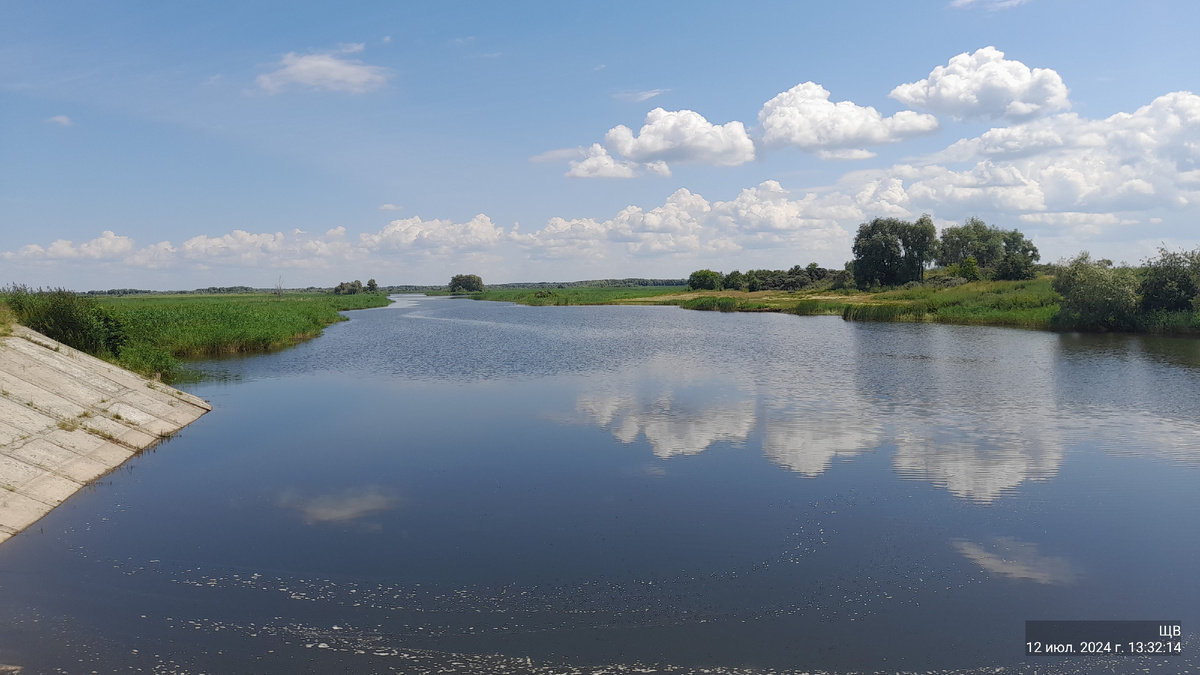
{"points": [[348, 288], [1096, 295], [1171, 281], [949, 281], [968, 269], [72, 319]]}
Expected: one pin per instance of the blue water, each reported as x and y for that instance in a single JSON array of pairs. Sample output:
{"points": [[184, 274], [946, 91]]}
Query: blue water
{"points": [[481, 487]]}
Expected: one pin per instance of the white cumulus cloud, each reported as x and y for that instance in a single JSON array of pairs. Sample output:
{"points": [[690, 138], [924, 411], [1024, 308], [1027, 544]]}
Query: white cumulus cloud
{"points": [[1146, 159], [682, 136], [60, 120], [325, 70], [986, 85], [597, 163], [437, 237], [804, 116]]}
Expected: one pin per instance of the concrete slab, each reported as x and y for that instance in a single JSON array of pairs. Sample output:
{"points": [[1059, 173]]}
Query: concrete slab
{"points": [[67, 418]]}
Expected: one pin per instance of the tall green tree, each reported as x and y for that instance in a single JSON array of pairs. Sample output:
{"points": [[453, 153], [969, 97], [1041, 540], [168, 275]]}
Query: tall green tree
{"points": [[889, 251], [734, 281], [705, 280], [1007, 252], [466, 283]]}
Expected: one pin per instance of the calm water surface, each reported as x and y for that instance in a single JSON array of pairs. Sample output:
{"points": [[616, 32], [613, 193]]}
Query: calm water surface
{"points": [[455, 486]]}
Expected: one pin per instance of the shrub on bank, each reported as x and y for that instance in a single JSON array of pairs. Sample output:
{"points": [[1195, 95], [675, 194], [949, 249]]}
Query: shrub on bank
{"points": [[74, 320]]}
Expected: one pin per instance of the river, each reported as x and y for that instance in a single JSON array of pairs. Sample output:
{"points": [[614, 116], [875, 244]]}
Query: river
{"points": [[457, 486]]}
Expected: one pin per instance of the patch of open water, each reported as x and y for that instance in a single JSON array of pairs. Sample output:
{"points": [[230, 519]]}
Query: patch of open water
{"points": [[478, 487]]}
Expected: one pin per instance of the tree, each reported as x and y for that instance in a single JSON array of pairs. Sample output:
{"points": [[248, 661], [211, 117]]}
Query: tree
{"points": [[1014, 267], [466, 283], [890, 252], [372, 287], [1171, 282], [348, 288], [1096, 295], [973, 238], [919, 241], [1008, 252], [705, 280], [752, 281], [734, 281]]}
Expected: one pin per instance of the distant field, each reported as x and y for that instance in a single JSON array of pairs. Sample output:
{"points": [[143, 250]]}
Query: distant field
{"points": [[160, 329]]}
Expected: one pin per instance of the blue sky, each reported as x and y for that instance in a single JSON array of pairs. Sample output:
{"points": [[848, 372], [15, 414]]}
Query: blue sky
{"points": [[182, 145]]}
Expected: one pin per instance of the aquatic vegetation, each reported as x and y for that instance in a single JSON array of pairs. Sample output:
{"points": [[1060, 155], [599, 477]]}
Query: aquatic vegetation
{"points": [[713, 303]]}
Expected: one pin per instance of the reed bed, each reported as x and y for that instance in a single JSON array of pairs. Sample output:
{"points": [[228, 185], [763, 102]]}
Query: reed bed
{"points": [[819, 307], [715, 303]]}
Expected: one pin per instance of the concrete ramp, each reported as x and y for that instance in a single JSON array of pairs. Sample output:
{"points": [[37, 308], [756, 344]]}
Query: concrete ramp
{"points": [[67, 418]]}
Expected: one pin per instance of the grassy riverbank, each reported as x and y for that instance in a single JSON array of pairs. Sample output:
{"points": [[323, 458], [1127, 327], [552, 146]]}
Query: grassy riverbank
{"points": [[578, 295], [149, 334], [1030, 304], [159, 330]]}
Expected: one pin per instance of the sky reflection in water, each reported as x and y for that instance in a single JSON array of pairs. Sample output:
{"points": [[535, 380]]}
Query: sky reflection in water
{"points": [[445, 480]]}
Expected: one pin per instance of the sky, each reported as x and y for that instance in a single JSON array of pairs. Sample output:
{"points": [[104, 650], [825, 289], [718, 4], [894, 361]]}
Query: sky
{"points": [[192, 144]]}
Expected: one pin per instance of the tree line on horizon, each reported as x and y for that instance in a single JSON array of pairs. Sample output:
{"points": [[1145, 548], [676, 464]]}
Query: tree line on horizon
{"points": [[1163, 294]]}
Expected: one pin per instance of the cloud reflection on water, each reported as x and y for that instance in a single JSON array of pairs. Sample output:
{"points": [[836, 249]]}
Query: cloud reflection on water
{"points": [[1018, 559], [980, 460], [977, 414], [349, 506]]}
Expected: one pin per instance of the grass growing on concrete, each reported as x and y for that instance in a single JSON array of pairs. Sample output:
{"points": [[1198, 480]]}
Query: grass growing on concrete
{"points": [[7, 319]]}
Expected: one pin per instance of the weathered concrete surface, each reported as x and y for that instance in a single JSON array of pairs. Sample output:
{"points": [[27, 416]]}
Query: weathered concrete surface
{"points": [[67, 418]]}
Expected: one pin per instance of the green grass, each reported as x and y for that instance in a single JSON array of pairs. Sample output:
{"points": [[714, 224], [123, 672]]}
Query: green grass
{"points": [[820, 307], [1030, 304], [714, 303], [161, 329], [7, 319], [580, 295]]}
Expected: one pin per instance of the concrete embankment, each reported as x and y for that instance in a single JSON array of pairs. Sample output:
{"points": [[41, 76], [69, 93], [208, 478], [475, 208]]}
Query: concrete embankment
{"points": [[67, 418]]}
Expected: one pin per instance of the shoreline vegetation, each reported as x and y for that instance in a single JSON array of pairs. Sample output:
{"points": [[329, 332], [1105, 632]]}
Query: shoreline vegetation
{"points": [[153, 334], [1026, 303]]}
